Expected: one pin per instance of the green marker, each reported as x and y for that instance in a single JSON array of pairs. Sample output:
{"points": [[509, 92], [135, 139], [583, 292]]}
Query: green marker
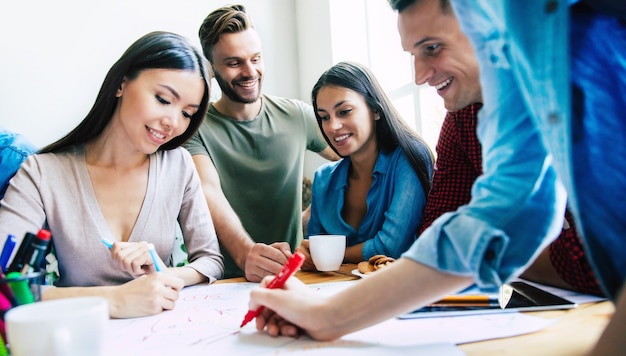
{"points": [[3, 348], [20, 288]]}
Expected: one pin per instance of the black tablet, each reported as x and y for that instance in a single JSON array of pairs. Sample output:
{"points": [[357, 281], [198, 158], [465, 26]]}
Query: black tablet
{"points": [[524, 297]]}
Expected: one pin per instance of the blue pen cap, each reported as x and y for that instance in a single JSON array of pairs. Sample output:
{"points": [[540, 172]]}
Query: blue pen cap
{"points": [[7, 250], [23, 252]]}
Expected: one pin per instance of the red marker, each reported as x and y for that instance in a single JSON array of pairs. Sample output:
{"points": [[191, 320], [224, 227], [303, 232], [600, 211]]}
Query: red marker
{"points": [[292, 265]]}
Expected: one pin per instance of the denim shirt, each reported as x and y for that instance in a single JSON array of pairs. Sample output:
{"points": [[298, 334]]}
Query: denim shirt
{"points": [[531, 128], [14, 149], [395, 202], [518, 204]]}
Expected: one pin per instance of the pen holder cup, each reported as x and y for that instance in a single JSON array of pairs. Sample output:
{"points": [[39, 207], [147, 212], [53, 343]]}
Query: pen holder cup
{"points": [[20, 290]]}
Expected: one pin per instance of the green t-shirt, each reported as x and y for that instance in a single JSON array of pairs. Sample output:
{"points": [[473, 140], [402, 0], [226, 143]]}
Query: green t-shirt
{"points": [[260, 165]]}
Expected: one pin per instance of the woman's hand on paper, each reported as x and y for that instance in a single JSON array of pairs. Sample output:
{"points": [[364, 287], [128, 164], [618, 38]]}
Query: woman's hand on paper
{"points": [[146, 295]]}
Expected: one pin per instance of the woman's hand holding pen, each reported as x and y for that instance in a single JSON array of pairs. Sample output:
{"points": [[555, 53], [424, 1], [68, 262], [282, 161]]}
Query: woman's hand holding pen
{"points": [[133, 257], [149, 293], [146, 295], [283, 309]]}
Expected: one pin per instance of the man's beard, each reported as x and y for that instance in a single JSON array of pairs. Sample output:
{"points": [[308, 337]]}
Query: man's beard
{"points": [[228, 90]]}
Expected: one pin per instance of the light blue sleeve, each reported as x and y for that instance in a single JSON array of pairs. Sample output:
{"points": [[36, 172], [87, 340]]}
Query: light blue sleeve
{"points": [[13, 151], [518, 204], [10, 161]]}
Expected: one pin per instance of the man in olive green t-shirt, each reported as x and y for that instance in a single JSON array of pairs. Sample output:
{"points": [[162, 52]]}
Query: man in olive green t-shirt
{"points": [[249, 152]]}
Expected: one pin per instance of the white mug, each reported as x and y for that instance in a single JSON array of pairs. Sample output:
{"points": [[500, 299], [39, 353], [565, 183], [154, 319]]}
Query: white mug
{"points": [[72, 326], [327, 251]]}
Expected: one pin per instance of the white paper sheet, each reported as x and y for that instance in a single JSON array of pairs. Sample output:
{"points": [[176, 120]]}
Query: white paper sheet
{"points": [[207, 318]]}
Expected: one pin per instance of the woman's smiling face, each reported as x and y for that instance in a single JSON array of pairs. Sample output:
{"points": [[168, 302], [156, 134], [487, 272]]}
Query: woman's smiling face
{"points": [[157, 106], [347, 120]]}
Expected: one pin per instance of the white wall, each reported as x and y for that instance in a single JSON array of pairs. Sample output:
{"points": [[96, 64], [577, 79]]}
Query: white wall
{"points": [[55, 54]]}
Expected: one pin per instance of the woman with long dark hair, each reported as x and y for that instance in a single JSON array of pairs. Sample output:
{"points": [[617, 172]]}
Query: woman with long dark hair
{"points": [[376, 194], [121, 177]]}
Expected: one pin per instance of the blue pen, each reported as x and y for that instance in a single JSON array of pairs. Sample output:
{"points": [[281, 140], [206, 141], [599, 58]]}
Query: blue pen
{"points": [[7, 250], [156, 261], [23, 251], [155, 257], [107, 243]]}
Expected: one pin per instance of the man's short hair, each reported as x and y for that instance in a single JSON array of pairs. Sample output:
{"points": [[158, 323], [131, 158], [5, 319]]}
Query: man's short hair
{"points": [[401, 5], [226, 19]]}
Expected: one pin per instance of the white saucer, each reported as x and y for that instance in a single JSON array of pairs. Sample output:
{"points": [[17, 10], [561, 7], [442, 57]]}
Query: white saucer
{"points": [[357, 273]]}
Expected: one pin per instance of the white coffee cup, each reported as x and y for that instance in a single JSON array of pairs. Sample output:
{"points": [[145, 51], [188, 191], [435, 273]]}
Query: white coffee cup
{"points": [[72, 326], [327, 251]]}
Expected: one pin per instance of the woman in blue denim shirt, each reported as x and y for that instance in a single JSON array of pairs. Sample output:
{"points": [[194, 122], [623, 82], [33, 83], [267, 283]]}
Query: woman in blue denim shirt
{"points": [[14, 148], [376, 194]]}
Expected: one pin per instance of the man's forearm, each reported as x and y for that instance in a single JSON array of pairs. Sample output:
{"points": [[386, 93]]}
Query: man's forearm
{"points": [[232, 236], [230, 232], [238, 244]]}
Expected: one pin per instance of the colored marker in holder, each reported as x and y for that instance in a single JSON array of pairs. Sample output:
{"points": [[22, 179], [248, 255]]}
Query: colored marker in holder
{"points": [[20, 288]]}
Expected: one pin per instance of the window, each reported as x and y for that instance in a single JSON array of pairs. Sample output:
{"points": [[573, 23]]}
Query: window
{"points": [[365, 31]]}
